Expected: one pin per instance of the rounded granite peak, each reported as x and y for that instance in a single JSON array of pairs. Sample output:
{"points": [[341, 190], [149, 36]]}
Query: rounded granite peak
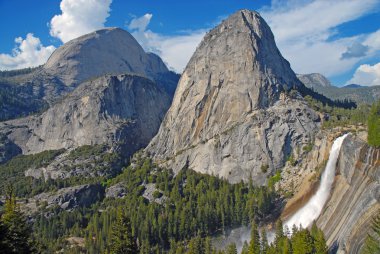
{"points": [[230, 113], [108, 50]]}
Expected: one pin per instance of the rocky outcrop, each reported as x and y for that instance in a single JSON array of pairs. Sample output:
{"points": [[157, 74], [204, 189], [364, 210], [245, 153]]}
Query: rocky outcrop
{"points": [[231, 112], [66, 198], [8, 149], [123, 111], [116, 191], [355, 198], [314, 80]]}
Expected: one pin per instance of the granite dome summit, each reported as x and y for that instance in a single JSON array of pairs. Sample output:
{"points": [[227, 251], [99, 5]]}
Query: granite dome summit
{"points": [[231, 113], [106, 51]]}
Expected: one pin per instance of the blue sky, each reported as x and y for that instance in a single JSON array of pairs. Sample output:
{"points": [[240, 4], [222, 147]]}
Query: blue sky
{"points": [[340, 39]]}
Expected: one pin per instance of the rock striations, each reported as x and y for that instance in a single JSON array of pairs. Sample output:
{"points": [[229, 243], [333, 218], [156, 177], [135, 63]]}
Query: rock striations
{"points": [[232, 111], [355, 198]]}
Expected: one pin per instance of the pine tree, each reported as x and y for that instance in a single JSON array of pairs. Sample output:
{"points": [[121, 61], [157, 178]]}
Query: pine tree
{"points": [[372, 242], [264, 242], [16, 233], [196, 246], [245, 249], [231, 249], [302, 242], [320, 245], [286, 246], [122, 240], [254, 245], [374, 125], [279, 231]]}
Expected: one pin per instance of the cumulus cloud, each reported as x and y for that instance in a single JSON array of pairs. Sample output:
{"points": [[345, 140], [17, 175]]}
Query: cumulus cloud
{"points": [[28, 52], [305, 32], [140, 23], [368, 75], [356, 50], [79, 17], [175, 50]]}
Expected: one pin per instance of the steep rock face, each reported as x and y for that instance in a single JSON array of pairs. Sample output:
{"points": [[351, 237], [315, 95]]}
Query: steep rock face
{"points": [[355, 198], [124, 111], [106, 51], [66, 198], [314, 80], [227, 117]]}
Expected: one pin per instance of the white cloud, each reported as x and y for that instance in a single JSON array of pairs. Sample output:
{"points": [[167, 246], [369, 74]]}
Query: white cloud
{"points": [[28, 52], [373, 41], [368, 75], [140, 23], [175, 50], [306, 34], [79, 17]]}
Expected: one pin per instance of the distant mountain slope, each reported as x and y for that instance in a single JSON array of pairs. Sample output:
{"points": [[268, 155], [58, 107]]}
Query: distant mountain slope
{"points": [[352, 86], [122, 111], [356, 93], [314, 80], [106, 51]]}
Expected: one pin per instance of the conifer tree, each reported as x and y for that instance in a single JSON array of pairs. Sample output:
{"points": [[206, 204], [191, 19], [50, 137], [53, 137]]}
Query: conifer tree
{"points": [[320, 245], [374, 125], [264, 242], [231, 249], [279, 230], [16, 233], [245, 249], [302, 242], [122, 240], [372, 242], [254, 245]]}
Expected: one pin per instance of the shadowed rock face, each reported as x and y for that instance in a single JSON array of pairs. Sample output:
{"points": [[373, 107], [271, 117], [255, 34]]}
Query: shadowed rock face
{"points": [[227, 117], [355, 198], [124, 111]]}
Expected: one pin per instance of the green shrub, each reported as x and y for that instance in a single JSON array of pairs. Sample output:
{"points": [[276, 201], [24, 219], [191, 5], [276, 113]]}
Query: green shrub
{"points": [[157, 194], [264, 168]]}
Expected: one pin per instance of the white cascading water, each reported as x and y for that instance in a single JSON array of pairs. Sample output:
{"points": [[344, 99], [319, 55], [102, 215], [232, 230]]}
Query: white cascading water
{"points": [[312, 209]]}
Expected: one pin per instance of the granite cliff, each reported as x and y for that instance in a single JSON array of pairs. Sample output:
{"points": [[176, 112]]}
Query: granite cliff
{"points": [[233, 112], [355, 198], [123, 111]]}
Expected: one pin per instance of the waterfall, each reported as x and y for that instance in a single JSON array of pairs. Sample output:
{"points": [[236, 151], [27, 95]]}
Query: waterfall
{"points": [[312, 209]]}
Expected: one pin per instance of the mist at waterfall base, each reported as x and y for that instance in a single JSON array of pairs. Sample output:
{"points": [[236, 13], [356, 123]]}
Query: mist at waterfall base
{"points": [[312, 209]]}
